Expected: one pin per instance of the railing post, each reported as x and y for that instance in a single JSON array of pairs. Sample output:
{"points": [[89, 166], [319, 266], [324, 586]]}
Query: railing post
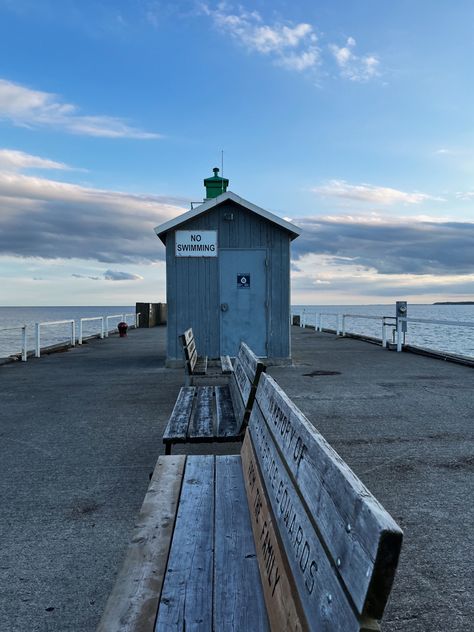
{"points": [[106, 334], [37, 340], [384, 334], [79, 339], [102, 327], [24, 350], [343, 325], [399, 335], [338, 323], [320, 322], [73, 333]]}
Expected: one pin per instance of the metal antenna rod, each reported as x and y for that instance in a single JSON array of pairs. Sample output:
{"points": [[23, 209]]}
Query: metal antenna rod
{"points": [[222, 170]]}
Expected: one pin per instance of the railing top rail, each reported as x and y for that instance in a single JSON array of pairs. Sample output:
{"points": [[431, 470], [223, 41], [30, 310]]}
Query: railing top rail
{"points": [[92, 318], [458, 323], [114, 316], [12, 328], [368, 316], [57, 322]]}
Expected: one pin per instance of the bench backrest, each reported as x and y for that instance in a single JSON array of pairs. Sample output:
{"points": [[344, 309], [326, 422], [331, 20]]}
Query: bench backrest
{"points": [[243, 382], [189, 350], [327, 549]]}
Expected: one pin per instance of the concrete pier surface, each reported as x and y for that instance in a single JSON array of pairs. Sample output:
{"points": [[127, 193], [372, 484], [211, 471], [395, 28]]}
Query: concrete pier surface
{"points": [[80, 433]]}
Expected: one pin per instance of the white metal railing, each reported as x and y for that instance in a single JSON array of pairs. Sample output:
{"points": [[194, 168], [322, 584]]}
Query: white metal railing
{"points": [[449, 323], [104, 330], [341, 329], [24, 339], [38, 326], [398, 325], [93, 318], [107, 318]]}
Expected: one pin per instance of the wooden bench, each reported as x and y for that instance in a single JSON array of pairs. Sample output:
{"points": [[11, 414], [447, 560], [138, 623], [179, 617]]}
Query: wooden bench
{"points": [[209, 414], [196, 365], [283, 538]]}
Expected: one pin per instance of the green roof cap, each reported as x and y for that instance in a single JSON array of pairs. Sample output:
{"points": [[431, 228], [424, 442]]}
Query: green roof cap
{"points": [[215, 185]]}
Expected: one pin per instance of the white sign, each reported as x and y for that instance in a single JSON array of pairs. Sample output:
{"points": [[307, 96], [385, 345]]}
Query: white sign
{"points": [[196, 243]]}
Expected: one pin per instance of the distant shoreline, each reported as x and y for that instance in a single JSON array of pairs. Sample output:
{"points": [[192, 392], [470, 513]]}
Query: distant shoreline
{"points": [[455, 303]]}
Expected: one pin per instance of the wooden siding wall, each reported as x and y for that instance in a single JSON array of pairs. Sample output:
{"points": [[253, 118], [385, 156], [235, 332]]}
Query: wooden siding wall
{"points": [[192, 283]]}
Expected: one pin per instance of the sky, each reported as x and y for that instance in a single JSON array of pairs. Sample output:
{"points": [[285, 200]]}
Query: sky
{"points": [[355, 120]]}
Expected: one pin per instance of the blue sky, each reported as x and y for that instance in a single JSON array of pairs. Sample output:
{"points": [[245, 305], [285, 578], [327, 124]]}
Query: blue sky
{"points": [[353, 119]]}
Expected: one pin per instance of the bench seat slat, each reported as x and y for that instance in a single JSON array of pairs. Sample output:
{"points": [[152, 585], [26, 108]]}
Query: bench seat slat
{"points": [[178, 423], [186, 597], [133, 602], [202, 423], [239, 605], [226, 365], [227, 425]]}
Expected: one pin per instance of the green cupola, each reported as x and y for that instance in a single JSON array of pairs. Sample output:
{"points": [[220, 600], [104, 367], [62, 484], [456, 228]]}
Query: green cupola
{"points": [[215, 185]]}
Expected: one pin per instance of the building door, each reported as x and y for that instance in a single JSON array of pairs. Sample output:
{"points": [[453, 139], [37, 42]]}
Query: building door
{"points": [[243, 297]]}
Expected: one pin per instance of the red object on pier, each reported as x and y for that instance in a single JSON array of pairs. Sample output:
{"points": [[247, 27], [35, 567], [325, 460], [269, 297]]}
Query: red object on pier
{"points": [[122, 327]]}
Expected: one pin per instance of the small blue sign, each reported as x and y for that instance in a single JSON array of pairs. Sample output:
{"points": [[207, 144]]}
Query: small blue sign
{"points": [[243, 280]]}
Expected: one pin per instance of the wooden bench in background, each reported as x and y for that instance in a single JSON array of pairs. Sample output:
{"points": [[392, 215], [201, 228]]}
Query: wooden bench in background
{"points": [[283, 538], [196, 365], [208, 414]]}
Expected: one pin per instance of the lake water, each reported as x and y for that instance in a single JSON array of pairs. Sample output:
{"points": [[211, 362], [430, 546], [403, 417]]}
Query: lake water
{"points": [[459, 340], [10, 341]]}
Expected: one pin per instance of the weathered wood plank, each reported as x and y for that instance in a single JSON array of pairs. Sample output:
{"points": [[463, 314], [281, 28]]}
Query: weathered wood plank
{"points": [[186, 597], [179, 421], [239, 605], [362, 538], [250, 363], [325, 603], [188, 336], [242, 380], [226, 365], [190, 348], [202, 423], [200, 367], [237, 402], [227, 425], [133, 603], [281, 597]]}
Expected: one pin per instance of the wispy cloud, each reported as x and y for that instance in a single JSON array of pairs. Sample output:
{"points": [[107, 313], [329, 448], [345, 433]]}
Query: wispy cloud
{"points": [[354, 67], [116, 275], [33, 108], [292, 46], [370, 193], [14, 160]]}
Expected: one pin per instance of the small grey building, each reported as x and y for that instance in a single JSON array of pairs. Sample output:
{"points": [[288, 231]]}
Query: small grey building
{"points": [[228, 276]]}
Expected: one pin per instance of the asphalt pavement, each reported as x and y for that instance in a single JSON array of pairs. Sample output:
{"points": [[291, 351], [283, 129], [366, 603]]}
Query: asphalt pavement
{"points": [[80, 432]]}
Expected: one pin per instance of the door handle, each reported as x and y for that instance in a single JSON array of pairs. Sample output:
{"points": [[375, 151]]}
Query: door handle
{"points": [[224, 307]]}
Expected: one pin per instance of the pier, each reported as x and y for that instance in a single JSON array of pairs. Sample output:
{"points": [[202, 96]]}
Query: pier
{"points": [[81, 432]]}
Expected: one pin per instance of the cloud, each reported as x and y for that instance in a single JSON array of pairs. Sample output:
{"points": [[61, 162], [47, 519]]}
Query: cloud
{"points": [[85, 276], [33, 108], [292, 46], [13, 160], [370, 193], [115, 275], [352, 66], [56, 220], [389, 246]]}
